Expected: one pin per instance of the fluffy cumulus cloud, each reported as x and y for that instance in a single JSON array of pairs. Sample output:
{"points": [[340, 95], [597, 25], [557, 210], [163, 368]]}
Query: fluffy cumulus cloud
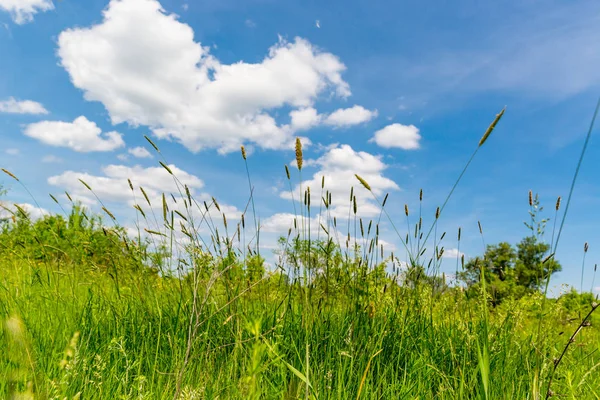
{"points": [[280, 224], [8, 209], [22, 11], [397, 135], [112, 187], [80, 135], [140, 152], [305, 118], [144, 66], [452, 253], [339, 166], [14, 106], [350, 116]]}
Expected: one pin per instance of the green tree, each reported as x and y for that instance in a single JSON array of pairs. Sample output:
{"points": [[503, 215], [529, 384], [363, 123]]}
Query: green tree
{"points": [[511, 272]]}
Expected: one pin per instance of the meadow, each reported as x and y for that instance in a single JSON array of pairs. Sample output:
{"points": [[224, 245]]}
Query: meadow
{"points": [[188, 309]]}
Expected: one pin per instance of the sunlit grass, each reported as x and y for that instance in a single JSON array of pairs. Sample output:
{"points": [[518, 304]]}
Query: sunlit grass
{"points": [[191, 311]]}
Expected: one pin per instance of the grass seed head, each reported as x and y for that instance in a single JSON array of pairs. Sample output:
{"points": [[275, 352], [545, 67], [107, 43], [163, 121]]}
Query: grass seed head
{"points": [[109, 213], [489, 130], [363, 182], [166, 167], [243, 153], [299, 153], [152, 143], [85, 184], [216, 204], [558, 203], [530, 199], [406, 209], [145, 195], [7, 172]]}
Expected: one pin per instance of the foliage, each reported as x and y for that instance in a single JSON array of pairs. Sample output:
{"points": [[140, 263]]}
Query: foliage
{"points": [[85, 315], [77, 239], [513, 272]]}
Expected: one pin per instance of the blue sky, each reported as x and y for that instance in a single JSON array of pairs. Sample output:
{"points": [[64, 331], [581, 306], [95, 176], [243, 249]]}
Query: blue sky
{"points": [[398, 92]]}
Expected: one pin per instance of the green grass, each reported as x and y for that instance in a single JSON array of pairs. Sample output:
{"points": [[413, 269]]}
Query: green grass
{"points": [[88, 313]]}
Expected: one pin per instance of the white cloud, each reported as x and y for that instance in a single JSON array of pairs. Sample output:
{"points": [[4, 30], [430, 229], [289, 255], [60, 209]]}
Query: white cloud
{"points": [[397, 135], [305, 118], [112, 186], [13, 106], [33, 211], [80, 135], [144, 66], [22, 11], [280, 223], [51, 159], [140, 152], [339, 165], [350, 116], [452, 253], [12, 152]]}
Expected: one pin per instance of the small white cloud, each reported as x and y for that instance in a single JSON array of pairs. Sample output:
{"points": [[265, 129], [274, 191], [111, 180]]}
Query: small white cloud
{"points": [[250, 23], [51, 159], [123, 157], [80, 135], [13, 106], [452, 253], [12, 152], [345, 117], [318, 23], [113, 185], [397, 135], [185, 6], [281, 223], [339, 166], [33, 211], [22, 11], [305, 118], [140, 152]]}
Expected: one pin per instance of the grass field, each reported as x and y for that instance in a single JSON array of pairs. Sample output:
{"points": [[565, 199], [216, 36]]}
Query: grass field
{"points": [[192, 312]]}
